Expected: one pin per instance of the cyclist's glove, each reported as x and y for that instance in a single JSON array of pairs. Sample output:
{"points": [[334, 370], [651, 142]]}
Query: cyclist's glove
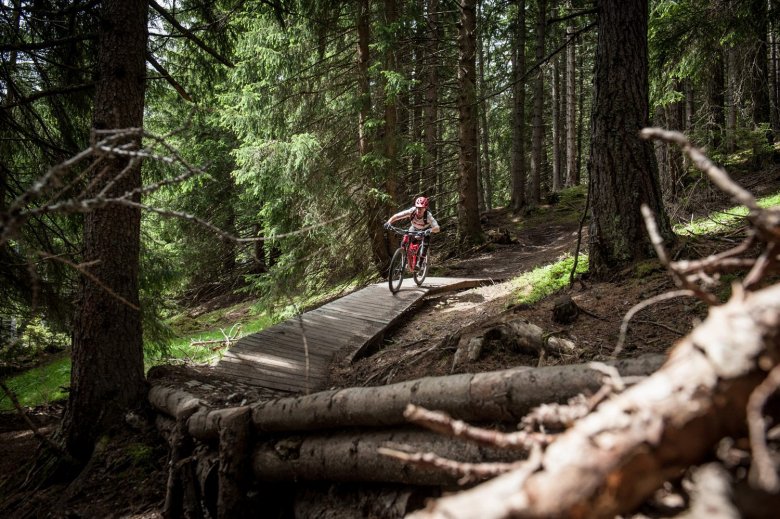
{"points": [[427, 232], [387, 225]]}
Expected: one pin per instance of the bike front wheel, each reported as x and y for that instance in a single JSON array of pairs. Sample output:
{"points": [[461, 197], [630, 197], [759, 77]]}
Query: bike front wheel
{"points": [[396, 275], [421, 270]]}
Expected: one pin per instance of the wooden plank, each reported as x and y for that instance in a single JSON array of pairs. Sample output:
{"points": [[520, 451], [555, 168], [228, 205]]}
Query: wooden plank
{"points": [[251, 370], [282, 357], [325, 334], [275, 357], [272, 367], [297, 384], [282, 345]]}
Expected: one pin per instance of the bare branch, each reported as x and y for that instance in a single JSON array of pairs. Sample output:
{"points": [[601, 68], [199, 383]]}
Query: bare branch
{"points": [[442, 423]]}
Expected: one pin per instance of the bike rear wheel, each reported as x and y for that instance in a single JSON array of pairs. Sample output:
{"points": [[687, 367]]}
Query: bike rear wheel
{"points": [[421, 270], [397, 265]]}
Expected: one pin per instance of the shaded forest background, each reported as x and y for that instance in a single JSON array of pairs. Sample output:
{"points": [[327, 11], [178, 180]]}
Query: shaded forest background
{"points": [[277, 136]]}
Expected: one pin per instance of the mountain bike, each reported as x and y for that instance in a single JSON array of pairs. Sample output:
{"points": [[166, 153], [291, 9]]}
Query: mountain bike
{"points": [[411, 254]]}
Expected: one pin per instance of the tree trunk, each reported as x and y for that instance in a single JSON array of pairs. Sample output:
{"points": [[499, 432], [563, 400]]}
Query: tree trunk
{"points": [[391, 167], [469, 228], [572, 175], [716, 101], [759, 84], [555, 101], [731, 96], [107, 375], [622, 166], [484, 171], [375, 209], [431, 102], [518, 175], [534, 194]]}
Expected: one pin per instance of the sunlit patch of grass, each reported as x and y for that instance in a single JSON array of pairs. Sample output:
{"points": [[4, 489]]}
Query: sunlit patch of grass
{"points": [[41, 385], [543, 281], [722, 221], [183, 348]]}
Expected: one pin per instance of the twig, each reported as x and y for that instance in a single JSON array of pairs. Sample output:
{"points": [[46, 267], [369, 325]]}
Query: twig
{"points": [[640, 306], [466, 472], [661, 325], [444, 424]]}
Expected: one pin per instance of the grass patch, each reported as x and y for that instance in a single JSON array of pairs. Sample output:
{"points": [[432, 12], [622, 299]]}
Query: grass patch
{"points": [[40, 385], [543, 281], [723, 221]]}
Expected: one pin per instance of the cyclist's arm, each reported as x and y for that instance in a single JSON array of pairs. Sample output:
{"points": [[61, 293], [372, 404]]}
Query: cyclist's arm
{"points": [[434, 224], [406, 213]]}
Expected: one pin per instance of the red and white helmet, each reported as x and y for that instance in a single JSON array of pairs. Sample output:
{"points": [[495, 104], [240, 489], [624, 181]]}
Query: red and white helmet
{"points": [[421, 202]]}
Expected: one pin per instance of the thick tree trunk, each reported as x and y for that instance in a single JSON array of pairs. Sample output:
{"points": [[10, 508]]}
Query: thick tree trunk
{"points": [[391, 167], [518, 175], [107, 375], [469, 228], [622, 166]]}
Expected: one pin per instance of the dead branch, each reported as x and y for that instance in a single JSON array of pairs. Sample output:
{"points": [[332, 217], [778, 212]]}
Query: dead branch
{"points": [[614, 458], [444, 424], [465, 472]]}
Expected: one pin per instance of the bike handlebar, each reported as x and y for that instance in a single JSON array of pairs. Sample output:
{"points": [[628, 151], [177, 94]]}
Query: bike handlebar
{"points": [[401, 231]]}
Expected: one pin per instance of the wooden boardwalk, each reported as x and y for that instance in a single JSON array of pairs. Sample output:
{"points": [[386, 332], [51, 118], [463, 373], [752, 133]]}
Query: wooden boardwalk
{"points": [[278, 357]]}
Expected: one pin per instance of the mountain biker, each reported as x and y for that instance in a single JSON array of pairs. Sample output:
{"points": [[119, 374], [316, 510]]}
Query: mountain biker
{"points": [[421, 218]]}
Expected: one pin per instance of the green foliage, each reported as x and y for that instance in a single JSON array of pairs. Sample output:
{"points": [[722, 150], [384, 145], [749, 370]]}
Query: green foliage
{"points": [[543, 281], [36, 338], [42, 385]]}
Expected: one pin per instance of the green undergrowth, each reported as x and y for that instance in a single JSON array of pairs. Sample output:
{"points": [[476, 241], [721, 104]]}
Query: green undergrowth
{"points": [[719, 222], [548, 279], [41, 385], [566, 207], [233, 322]]}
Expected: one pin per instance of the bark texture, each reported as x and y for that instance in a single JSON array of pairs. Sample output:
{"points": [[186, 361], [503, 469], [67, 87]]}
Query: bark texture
{"points": [[469, 227], [616, 457], [622, 166], [518, 176], [498, 396], [107, 376]]}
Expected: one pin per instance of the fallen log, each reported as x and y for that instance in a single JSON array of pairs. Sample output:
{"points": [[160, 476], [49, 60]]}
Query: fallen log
{"points": [[518, 335], [616, 457], [353, 457], [497, 396]]}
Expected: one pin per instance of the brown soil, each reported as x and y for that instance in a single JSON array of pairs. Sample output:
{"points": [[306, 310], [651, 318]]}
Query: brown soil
{"points": [[128, 479]]}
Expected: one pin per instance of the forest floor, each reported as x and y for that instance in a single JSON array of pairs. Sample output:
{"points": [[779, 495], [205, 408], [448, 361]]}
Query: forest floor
{"points": [[128, 478]]}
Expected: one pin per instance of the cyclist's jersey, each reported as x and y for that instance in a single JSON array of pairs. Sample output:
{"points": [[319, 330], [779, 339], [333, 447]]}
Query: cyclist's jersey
{"points": [[418, 224]]}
